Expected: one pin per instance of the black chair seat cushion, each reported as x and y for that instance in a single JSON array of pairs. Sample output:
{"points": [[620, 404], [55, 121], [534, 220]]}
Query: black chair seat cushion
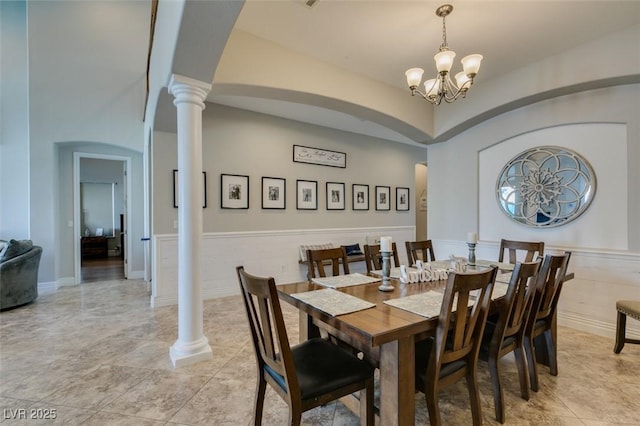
{"points": [[423, 354], [322, 366]]}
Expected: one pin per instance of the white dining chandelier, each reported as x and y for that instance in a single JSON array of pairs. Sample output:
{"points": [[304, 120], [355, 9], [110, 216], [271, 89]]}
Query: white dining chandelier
{"points": [[442, 87]]}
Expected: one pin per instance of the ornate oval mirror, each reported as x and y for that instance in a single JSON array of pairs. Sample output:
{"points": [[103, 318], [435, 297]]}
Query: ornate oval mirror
{"points": [[546, 186]]}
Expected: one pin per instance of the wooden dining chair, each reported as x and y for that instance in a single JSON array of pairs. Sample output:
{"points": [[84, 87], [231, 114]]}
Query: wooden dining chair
{"points": [[541, 321], [373, 258], [419, 250], [307, 375], [317, 259], [527, 250], [453, 353], [504, 332]]}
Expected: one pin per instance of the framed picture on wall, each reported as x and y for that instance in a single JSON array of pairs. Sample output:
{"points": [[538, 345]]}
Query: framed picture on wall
{"points": [[360, 197], [402, 199], [306, 194], [176, 188], [234, 191], [383, 195], [274, 193], [335, 196]]}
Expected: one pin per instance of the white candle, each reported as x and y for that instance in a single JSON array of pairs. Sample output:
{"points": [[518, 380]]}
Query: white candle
{"points": [[472, 238], [385, 244]]}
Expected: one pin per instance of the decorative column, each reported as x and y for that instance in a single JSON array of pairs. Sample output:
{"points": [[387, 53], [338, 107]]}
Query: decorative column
{"points": [[192, 346]]}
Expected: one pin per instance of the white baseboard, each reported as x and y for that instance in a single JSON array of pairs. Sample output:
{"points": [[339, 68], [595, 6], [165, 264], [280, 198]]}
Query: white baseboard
{"points": [[136, 275], [47, 286], [65, 282]]}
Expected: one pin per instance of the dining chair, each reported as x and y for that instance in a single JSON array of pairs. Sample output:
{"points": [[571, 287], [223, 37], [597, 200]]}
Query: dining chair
{"points": [[541, 321], [307, 375], [531, 249], [419, 250], [504, 332], [317, 259], [453, 353], [373, 258]]}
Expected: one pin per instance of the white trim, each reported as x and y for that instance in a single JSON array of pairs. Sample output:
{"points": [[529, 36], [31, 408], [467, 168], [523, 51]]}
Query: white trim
{"points": [[273, 253]]}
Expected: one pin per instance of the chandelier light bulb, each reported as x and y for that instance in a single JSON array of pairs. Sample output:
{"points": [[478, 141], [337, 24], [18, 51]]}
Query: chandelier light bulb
{"points": [[414, 76], [444, 60], [432, 87], [471, 64]]}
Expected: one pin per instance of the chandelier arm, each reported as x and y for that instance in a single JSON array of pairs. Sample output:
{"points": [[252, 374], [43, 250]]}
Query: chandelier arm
{"points": [[435, 101]]}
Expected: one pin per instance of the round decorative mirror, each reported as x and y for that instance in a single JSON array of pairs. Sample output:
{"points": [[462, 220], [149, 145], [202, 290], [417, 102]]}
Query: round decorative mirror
{"points": [[546, 186]]}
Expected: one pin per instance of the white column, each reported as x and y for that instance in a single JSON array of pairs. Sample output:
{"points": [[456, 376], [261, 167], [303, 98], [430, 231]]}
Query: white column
{"points": [[192, 346]]}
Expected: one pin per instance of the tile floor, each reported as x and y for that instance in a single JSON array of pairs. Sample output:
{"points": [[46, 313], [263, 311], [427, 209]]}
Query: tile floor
{"points": [[97, 354]]}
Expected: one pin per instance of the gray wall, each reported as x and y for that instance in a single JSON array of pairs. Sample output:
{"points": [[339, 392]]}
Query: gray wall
{"points": [[453, 166], [246, 143]]}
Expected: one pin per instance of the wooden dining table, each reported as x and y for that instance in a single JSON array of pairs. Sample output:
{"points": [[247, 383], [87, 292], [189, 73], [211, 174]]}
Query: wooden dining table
{"points": [[383, 333]]}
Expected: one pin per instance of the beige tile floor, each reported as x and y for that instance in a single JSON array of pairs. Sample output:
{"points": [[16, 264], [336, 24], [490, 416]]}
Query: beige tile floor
{"points": [[97, 354]]}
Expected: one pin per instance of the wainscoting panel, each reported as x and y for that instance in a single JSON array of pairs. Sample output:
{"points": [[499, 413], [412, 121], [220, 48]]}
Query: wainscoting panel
{"points": [[268, 253], [587, 302]]}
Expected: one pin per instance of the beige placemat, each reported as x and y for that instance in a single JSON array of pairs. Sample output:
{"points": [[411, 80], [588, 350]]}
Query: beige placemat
{"points": [[500, 265], [333, 302], [499, 290], [348, 280], [503, 277], [426, 304]]}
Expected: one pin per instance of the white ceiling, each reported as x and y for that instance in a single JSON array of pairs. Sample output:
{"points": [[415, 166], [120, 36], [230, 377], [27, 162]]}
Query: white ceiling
{"points": [[381, 39]]}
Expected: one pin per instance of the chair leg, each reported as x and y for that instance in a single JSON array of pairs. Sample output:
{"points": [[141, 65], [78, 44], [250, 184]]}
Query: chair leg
{"points": [[367, 415], [551, 352], [498, 392], [521, 363], [531, 363], [474, 397], [434, 409], [261, 387], [621, 327]]}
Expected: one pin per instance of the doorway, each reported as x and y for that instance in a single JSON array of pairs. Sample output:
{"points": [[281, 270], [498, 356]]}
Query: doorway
{"points": [[101, 189], [421, 201]]}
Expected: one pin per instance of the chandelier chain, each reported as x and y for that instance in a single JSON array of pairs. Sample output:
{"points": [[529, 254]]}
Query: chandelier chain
{"points": [[444, 46]]}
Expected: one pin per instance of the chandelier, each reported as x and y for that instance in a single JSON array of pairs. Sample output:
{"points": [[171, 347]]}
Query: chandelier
{"points": [[442, 87]]}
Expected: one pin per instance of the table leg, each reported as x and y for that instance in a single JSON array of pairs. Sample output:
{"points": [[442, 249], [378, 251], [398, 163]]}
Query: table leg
{"points": [[307, 329], [397, 383]]}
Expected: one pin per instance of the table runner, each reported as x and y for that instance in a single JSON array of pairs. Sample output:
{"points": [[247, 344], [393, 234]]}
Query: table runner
{"points": [[333, 302], [395, 272], [348, 280]]}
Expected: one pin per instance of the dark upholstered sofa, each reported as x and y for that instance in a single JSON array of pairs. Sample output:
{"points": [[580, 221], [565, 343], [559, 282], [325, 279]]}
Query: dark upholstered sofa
{"points": [[19, 264]]}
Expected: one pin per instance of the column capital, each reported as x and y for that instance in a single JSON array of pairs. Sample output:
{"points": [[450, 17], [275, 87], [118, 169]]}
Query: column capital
{"points": [[188, 90]]}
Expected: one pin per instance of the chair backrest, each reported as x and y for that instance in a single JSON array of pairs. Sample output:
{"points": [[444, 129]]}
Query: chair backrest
{"points": [[268, 333], [462, 319], [334, 256], [532, 249], [517, 303], [373, 258], [419, 250], [549, 286]]}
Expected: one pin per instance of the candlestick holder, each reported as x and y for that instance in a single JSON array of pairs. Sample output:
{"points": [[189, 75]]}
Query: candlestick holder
{"points": [[386, 272], [472, 254]]}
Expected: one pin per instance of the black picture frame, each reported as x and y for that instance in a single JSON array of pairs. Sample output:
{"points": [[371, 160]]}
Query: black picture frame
{"points": [[306, 194], [383, 198], [402, 199], [335, 195], [360, 196], [234, 191], [176, 188], [274, 193]]}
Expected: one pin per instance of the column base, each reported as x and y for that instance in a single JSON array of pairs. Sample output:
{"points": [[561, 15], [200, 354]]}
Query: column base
{"points": [[182, 354]]}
